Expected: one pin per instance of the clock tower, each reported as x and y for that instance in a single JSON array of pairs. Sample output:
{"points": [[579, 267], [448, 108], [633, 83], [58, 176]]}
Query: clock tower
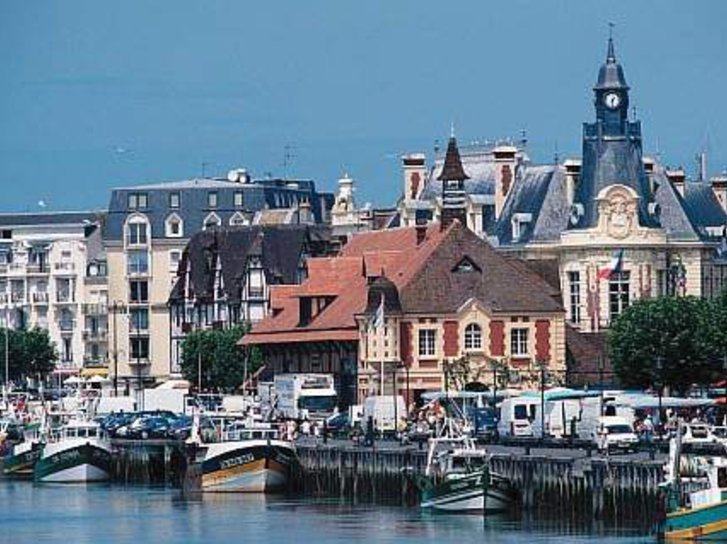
{"points": [[612, 96]]}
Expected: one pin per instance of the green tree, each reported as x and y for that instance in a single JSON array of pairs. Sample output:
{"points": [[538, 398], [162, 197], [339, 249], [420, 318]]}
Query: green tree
{"points": [[30, 352], [459, 372], [667, 342], [220, 358]]}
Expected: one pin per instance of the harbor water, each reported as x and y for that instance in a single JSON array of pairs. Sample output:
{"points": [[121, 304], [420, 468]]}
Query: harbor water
{"points": [[82, 514]]}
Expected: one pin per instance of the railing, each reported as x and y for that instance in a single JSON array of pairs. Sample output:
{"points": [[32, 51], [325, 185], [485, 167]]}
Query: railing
{"points": [[18, 297], [65, 267], [65, 298], [95, 309], [98, 334], [4, 298], [38, 269], [40, 298], [133, 361]]}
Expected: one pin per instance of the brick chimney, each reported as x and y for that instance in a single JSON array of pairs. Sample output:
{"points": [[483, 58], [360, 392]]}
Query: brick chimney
{"points": [[677, 178], [719, 188], [415, 171], [504, 174]]}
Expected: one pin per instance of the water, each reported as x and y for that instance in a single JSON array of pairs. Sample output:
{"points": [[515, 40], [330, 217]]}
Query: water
{"points": [[96, 514]]}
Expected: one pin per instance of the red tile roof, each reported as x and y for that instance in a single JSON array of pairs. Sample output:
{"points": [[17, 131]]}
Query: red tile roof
{"points": [[423, 273]]}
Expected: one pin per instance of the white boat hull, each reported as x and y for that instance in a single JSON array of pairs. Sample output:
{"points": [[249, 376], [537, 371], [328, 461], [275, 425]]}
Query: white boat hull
{"points": [[78, 474]]}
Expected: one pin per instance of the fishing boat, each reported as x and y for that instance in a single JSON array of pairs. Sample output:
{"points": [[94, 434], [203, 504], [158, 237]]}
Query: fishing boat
{"points": [[696, 490], [79, 451], [246, 459], [21, 459], [458, 478]]}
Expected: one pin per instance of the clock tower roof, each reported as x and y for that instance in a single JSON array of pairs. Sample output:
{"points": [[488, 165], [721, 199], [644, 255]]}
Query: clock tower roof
{"points": [[611, 74]]}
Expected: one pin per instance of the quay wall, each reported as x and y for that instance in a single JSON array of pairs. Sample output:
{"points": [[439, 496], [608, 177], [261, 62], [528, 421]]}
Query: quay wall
{"points": [[578, 488]]}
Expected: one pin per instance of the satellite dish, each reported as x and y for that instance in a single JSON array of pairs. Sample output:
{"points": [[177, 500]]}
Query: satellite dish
{"points": [[233, 175]]}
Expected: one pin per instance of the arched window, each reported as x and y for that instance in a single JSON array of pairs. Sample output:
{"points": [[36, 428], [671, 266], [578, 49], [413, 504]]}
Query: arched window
{"points": [[473, 336], [137, 230], [211, 221], [174, 226]]}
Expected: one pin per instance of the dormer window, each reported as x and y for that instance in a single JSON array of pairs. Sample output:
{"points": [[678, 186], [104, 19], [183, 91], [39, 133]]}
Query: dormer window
{"points": [[466, 265], [137, 231], [174, 200], [173, 226], [519, 224], [212, 199], [211, 221], [238, 220]]}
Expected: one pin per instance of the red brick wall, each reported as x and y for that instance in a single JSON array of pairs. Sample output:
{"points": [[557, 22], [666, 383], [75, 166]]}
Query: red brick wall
{"points": [[542, 340], [451, 338], [497, 338], [407, 356]]}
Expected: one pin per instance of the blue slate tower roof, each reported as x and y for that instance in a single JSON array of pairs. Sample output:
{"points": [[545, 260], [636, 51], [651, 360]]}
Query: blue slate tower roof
{"points": [[612, 151]]}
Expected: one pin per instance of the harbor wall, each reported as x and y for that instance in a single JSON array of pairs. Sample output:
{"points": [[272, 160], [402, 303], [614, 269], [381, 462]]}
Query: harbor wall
{"points": [[611, 489]]}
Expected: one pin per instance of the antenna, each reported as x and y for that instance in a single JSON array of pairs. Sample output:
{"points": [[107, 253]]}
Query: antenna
{"points": [[288, 157], [556, 157], [523, 138], [204, 166]]}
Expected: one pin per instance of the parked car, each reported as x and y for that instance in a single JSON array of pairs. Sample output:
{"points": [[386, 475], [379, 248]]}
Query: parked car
{"points": [[615, 433]]}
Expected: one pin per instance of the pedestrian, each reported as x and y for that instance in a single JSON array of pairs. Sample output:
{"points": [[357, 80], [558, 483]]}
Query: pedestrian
{"points": [[648, 426]]}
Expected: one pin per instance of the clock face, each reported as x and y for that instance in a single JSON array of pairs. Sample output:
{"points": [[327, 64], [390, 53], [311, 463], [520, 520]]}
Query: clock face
{"points": [[612, 100]]}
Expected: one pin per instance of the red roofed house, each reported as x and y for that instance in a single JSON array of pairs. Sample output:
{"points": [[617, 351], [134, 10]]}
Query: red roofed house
{"points": [[445, 293]]}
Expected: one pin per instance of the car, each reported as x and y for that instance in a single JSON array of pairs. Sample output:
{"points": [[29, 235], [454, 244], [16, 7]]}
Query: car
{"points": [[615, 433]]}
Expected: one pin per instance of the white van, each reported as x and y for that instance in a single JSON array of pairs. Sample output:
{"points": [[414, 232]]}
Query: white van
{"points": [[517, 415], [384, 412], [615, 433]]}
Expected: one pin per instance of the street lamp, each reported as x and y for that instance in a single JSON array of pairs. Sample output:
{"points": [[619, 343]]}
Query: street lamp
{"points": [[660, 384]]}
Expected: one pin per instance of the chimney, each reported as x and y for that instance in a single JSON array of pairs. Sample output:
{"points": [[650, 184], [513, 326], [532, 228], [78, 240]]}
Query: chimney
{"points": [[649, 165], [415, 171], [421, 230], [504, 174], [305, 213], [677, 178], [572, 178], [719, 188]]}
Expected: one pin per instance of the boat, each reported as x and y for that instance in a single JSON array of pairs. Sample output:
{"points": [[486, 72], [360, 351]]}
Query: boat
{"points": [[458, 478], [246, 459], [79, 451], [696, 491], [21, 459]]}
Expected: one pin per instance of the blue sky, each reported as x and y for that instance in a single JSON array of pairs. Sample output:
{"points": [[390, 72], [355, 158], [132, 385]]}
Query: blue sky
{"points": [[97, 94]]}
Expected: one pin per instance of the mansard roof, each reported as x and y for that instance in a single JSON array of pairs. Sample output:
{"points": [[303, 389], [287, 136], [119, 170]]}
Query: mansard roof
{"points": [[540, 192], [702, 206], [479, 164]]}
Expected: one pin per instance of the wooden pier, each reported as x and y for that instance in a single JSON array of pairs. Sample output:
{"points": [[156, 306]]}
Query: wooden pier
{"points": [[578, 488], [150, 462]]}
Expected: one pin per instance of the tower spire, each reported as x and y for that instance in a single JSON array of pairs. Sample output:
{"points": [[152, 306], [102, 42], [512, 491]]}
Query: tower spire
{"points": [[611, 54]]}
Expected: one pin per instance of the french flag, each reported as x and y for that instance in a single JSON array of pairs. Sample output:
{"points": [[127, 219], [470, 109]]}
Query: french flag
{"points": [[613, 266]]}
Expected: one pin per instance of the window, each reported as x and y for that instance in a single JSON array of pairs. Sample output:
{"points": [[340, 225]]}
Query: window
{"points": [[618, 293], [137, 262], [66, 320], [137, 201], [239, 199], [139, 319], [136, 232], [67, 352], [64, 291], [139, 291], [574, 286], [174, 257], [139, 348], [212, 199], [519, 342], [173, 226], [473, 336], [427, 338], [174, 200]]}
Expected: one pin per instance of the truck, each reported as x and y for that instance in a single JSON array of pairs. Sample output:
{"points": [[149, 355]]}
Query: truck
{"points": [[305, 396], [384, 410]]}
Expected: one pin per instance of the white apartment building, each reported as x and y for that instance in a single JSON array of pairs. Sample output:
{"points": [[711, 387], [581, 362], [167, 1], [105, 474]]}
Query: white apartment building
{"points": [[46, 263]]}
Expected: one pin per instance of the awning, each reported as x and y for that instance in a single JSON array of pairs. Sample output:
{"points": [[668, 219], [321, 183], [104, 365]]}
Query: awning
{"points": [[95, 371]]}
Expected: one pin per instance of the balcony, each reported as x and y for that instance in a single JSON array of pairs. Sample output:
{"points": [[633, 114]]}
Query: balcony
{"points": [[37, 269], [4, 298], [95, 309], [97, 335], [17, 298], [65, 298], [94, 362], [65, 267], [40, 298]]}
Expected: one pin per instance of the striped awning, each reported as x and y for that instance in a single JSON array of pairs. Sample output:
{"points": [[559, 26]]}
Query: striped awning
{"points": [[95, 371]]}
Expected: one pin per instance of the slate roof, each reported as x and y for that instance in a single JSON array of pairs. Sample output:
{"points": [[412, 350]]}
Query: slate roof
{"points": [[279, 247], [540, 191], [424, 275], [611, 74], [452, 168], [194, 208], [49, 218], [702, 206]]}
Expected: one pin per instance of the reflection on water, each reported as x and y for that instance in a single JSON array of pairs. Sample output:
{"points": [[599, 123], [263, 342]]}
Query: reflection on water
{"points": [[92, 514]]}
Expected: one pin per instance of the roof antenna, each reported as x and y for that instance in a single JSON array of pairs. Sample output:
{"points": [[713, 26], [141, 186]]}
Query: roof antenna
{"points": [[204, 168], [556, 157], [523, 138]]}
